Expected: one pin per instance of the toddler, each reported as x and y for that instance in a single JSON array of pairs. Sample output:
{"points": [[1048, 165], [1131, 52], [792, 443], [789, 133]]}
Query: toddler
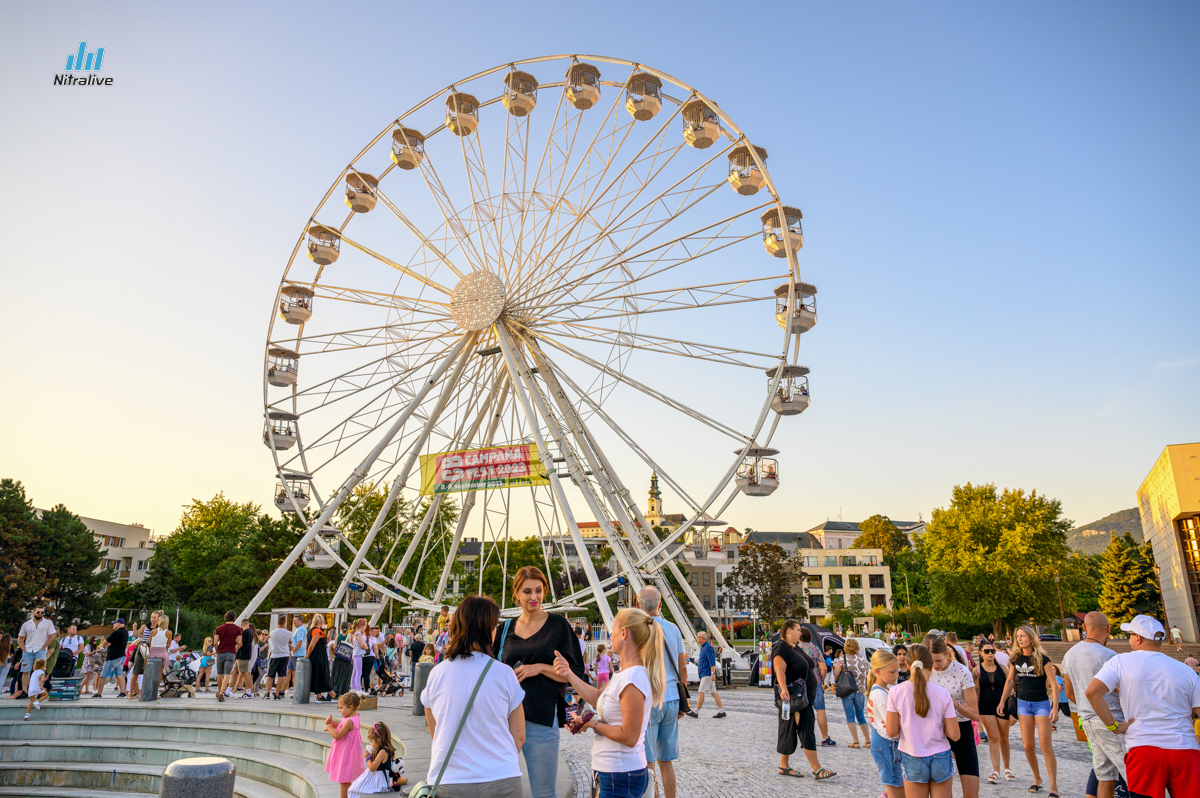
{"points": [[345, 762], [430, 653], [383, 773], [603, 666], [37, 687]]}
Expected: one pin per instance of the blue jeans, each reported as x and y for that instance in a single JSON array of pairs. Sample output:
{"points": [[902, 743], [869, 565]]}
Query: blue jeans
{"points": [[624, 785], [928, 769], [541, 758], [662, 733], [818, 700], [855, 705], [886, 754]]}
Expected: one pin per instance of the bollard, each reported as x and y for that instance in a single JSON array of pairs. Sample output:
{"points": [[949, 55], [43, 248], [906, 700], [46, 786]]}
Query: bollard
{"points": [[200, 777], [303, 684], [423, 669], [151, 675]]}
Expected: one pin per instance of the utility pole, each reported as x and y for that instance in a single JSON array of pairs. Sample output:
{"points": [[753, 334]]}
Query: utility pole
{"points": [[1062, 619], [908, 604]]}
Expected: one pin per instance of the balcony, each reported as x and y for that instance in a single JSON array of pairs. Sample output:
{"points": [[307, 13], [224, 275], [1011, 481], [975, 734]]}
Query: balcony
{"points": [[123, 576]]}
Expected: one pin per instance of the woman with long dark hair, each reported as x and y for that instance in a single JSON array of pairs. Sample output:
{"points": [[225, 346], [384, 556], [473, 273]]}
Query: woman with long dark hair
{"points": [[484, 761], [992, 677], [527, 644]]}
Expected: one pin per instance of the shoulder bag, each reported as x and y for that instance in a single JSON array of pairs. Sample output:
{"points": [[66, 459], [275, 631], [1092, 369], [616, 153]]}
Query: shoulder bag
{"points": [[846, 684], [504, 636], [422, 789], [343, 651], [680, 682]]}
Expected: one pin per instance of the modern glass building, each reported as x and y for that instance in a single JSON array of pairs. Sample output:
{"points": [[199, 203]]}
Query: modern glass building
{"points": [[1169, 501]]}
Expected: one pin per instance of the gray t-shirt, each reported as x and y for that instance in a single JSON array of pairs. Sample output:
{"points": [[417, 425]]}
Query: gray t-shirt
{"points": [[1082, 663], [673, 642]]}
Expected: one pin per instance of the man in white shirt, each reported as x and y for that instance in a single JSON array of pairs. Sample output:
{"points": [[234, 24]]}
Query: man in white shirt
{"points": [[277, 665], [73, 640], [1159, 697], [34, 638]]}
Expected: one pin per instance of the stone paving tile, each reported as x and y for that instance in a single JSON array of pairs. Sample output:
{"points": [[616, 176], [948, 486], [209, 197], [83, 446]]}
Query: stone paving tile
{"points": [[735, 756]]}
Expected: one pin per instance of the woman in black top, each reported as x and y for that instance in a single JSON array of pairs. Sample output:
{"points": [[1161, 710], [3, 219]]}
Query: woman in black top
{"points": [[1029, 673], [318, 655], [527, 645], [791, 665], [992, 678], [901, 652]]}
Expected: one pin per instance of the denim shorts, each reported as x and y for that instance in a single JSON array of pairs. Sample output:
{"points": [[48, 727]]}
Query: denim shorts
{"points": [[30, 657], [662, 733], [1039, 709], [818, 701], [928, 769], [112, 668], [623, 785], [853, 705], [886, 754]]}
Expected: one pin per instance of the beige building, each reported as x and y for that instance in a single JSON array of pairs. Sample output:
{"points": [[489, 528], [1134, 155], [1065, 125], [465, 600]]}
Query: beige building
{"points": [[857, 577], [127, 548], [1169, 501]]}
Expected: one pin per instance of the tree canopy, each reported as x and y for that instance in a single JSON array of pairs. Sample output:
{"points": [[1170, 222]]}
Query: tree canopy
{"points": [[766, 579], [878, 532], [1128, 584]]}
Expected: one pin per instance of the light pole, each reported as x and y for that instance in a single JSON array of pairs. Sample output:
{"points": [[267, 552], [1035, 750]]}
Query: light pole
{"points": [[908, 603], [1062, 618]]}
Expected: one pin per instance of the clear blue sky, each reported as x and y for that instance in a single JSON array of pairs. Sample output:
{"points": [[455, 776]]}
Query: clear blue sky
{"points": [[1000, 208]]}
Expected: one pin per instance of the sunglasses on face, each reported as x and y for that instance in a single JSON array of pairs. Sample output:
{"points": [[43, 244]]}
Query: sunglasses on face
{"points": [[989, 651]]}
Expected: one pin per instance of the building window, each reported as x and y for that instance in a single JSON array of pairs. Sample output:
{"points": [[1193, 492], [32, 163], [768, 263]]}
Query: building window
{"points": [[816, 602], [830, 561], [835, 581], [878, 600], [1189, 540], [814, 580], [856, 581], [707, 601], [143, 564], [876, 581], [810, 562], [694, 579], [849, 559], [141, 544], [870, 559], [707, 579]]}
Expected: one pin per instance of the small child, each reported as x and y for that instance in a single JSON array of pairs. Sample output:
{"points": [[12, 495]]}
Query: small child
{"points": [[429, 654], [885, 750], [37, 690], [603, 666], [381, 775], [344, 763]]}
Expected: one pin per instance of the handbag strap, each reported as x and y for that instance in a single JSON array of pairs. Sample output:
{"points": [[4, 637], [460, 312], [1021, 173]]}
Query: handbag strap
{"points": [[503, 637], [461, 724]]}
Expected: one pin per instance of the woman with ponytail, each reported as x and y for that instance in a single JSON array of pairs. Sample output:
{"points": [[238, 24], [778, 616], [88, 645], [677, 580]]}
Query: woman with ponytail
{"points": [[885, 750], [623, 706], [922, 715]]}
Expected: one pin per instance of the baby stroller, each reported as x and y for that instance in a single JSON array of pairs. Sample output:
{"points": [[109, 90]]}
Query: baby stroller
{"points": [[178, 680], [388, 684]]}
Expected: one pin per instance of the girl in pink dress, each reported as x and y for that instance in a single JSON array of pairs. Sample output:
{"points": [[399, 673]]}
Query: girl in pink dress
{"points": [[345, 760]]}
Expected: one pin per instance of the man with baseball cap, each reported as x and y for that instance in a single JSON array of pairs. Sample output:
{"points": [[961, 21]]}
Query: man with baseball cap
{"points": [[114, 659], [1159, 697]]}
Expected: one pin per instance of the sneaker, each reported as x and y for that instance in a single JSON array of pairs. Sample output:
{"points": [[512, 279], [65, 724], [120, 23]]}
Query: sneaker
{"points": [[26, 716], [21, 695], [245, 695], [37, 705], [828, 741], [720, 714], [692, 713], [121, 695], [94, 695], [322, 700]]}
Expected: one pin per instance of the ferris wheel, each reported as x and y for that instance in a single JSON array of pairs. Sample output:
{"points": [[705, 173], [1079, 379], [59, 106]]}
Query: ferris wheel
{"points": [[525, 295]]}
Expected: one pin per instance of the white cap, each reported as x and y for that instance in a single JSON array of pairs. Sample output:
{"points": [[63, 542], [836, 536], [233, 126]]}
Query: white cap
{"points": [[1144, 626]]}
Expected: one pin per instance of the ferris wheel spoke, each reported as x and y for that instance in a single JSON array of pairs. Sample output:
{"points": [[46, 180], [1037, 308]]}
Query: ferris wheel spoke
{"points": [[402, 269], [420, 236], [658, 300], [482, 214], [366, 337], [647, 390], [666, 346], [374, 298]]}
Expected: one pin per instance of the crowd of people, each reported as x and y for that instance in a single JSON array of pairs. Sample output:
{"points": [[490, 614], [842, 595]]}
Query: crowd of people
{"points": [[921, 708]]}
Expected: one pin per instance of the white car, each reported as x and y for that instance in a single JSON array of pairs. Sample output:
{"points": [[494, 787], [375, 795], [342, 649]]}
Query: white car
{"points": [[693, 673]]}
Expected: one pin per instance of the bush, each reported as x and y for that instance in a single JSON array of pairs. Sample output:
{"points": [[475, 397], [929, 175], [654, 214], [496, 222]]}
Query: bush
{"points": [[194, 625]]}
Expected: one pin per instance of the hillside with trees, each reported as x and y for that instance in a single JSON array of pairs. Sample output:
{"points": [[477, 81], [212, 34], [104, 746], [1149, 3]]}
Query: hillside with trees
{"points": [[1093, 538]]}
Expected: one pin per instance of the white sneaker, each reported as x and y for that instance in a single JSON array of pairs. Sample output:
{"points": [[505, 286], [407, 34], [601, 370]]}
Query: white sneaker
{"points": [[26, 716], [37, 705]]}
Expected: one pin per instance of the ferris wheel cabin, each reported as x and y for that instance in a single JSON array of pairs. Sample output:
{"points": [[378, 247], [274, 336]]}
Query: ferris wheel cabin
{"points": [[298, 485], [315, 556], [361, 191], [462, 113], [280, 431], [408, 148], [744, 175], [583, 86], [295, 303], [701, 126], [282, 369], [758, 475], [791, 398], [804, 317], [520, 93], [324, 244], [643, 97], [779, 238], [365, 602]]}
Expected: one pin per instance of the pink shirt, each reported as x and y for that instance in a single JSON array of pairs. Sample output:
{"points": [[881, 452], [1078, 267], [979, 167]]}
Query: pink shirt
{"points": [[603, 664], [921, 736]]}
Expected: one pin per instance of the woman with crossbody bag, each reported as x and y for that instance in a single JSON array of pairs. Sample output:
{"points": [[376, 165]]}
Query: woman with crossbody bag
{"points": [[793, 669], [476, 734]]}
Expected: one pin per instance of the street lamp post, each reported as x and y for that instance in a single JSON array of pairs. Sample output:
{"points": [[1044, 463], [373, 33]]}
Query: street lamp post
{"points": [[908, 603], [1062, 618]]}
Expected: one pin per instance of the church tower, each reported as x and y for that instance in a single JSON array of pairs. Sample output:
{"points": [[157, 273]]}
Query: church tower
{"points": [[654, 514]]}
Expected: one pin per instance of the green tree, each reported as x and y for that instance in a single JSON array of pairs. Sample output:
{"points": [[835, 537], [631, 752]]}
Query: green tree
{"points": [[21, 585], [992, 556], [518, 554], [1129, 586], [1088, 575], [878, 532], [70, 565], [766, 579]]}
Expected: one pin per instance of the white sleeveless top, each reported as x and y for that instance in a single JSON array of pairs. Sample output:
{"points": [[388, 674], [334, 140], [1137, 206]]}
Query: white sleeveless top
{"points": [[159, 640]]}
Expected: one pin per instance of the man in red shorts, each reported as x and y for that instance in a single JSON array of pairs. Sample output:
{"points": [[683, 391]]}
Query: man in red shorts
{"points": [[1159, 697]]}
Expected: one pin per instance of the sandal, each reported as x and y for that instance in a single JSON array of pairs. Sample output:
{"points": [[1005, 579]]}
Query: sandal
{"points": [[790, 772], [854, 745], [822, 774], [866, 745], [1008, 775], [994, 778], [1034, 788]]}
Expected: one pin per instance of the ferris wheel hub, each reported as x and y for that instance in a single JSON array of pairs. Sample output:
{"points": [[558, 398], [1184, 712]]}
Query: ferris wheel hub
{"points": [[477, 301]]}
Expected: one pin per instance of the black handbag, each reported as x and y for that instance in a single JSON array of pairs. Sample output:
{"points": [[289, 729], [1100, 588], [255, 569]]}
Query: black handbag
{"points": [[846, 684], [681, 683], [1010, 706]]}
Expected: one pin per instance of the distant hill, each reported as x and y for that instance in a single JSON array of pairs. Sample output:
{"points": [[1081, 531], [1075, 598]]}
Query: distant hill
{"points": [[1093, 538]]}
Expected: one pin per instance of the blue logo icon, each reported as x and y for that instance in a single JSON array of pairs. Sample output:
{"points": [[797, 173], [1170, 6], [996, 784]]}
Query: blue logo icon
{"points": [[75, 61]]}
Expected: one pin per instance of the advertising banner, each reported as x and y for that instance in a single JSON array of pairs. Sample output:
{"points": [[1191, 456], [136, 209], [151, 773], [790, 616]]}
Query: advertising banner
{"points": [[498, 467]]}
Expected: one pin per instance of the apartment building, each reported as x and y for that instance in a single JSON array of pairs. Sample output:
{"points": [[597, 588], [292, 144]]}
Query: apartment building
{"points": [[127, 548]]}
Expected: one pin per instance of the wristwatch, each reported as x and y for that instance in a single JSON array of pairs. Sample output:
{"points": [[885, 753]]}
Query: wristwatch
{"points": [[1113, 727]]}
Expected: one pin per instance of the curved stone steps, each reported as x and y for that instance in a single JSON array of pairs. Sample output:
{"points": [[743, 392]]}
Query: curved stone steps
{"points": [[78, 780]]}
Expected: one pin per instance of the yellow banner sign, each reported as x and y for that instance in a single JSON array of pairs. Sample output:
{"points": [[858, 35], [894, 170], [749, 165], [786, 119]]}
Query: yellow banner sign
{"points": [[499, 467]]}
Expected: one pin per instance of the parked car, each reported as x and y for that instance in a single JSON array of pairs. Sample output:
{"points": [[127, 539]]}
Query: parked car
{"points": [[1049, 636]]}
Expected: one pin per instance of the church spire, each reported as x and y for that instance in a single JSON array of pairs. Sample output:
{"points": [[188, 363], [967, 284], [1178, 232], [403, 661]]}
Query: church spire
{"points": [[655, 493]]}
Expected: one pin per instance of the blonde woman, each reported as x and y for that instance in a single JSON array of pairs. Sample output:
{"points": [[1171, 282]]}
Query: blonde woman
{"points": [[854, 704], [1032, 677], [361, 647], [160, 642], [885, 750], [623, 706], [208, 656]]}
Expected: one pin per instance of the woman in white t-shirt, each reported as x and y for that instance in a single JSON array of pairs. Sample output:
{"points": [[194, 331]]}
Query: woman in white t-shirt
{"points": [[957, 679], [623, 706], [484, 761]]}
